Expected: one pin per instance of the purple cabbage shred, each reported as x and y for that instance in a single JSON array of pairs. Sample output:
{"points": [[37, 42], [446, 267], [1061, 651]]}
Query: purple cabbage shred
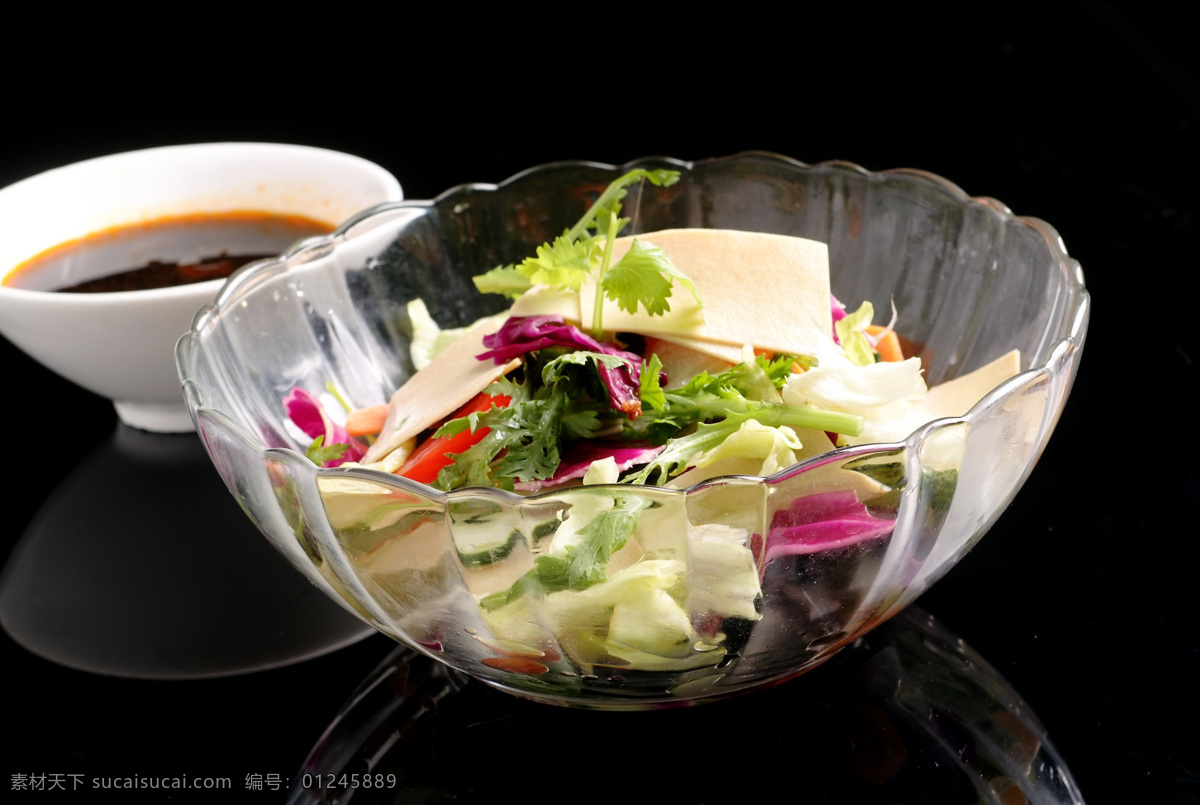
{"points": [[839, 312], [579, 458], [820, 523], [523, 334], [309, 415]]}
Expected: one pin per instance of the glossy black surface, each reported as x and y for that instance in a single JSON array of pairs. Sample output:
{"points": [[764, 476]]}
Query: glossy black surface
{"points": [[1083, 594]]}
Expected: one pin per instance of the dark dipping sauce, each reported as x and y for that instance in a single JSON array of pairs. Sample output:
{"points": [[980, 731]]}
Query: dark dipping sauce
{"points": [[163, 253]]}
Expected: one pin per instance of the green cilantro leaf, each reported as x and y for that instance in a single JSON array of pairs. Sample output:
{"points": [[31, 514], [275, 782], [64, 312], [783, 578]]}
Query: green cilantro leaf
{"points": [[582, 422], [320, 455], [674, 459], [644, 258], [609, 202], [456, 426], [554, 371], [533, 446], [650, 390], [643, 276], [562, 264], [640, 277], [524, 439], [607, 219], [731, 397], [603, 536], [779, 368], [586, 563]]}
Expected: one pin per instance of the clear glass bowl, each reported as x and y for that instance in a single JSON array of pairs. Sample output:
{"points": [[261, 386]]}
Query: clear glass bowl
{"points": [[738, 581]]}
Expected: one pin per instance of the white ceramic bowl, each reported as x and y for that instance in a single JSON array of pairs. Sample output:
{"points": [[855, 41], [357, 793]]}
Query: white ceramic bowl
{"points": [[120, 345]]}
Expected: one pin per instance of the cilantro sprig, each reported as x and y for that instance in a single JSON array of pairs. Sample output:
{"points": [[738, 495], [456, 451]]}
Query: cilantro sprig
{"points": [[643, 277], [318, 453], [561, 401], [525, 439]]}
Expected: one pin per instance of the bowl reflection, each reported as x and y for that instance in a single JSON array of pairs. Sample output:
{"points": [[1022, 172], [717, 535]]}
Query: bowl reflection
{"points": [[137, 565], [908, 714]]}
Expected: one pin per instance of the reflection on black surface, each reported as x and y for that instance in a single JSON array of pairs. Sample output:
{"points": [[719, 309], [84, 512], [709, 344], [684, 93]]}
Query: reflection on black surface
{"points": [[908, 714], [140, 564]]}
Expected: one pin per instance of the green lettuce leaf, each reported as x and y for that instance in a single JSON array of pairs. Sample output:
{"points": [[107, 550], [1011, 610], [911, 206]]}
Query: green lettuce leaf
{"points": [[851, 332]]}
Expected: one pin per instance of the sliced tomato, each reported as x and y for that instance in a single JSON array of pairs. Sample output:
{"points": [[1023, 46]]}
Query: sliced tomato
{"points": [[427, 460]]}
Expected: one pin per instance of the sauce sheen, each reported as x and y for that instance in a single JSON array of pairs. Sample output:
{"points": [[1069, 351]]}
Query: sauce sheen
{"points": [[163, 253]]}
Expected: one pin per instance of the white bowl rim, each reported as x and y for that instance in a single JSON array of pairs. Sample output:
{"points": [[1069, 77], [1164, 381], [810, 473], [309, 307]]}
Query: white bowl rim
{"points": [[208, 288]]}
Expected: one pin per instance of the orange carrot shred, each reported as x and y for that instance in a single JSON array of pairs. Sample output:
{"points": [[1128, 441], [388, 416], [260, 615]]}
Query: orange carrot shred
{"points": [[366, 421], [888, 347]]}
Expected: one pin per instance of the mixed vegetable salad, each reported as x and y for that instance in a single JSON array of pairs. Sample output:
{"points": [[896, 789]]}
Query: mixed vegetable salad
{"points": [[626, 364], [557, 402]]}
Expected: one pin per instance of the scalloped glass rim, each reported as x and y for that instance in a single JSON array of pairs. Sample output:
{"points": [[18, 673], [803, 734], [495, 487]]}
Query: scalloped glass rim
{"points": [[303, 252], [924, 240]]}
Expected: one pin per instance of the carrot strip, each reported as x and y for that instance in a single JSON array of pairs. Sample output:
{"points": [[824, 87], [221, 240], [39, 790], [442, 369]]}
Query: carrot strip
{"points": [[366, 421], [888, 347]]}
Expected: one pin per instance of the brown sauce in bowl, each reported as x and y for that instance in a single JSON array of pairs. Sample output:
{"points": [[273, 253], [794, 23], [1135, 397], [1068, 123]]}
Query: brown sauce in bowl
{"points": [[163, 253]]}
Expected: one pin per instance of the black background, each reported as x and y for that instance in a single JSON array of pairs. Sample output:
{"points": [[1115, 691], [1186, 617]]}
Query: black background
{"points": [[1084, 593]]}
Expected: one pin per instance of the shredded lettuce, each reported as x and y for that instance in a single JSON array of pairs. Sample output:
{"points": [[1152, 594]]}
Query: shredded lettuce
{"points": [[851, 333], [842, 386], [775, 447], [601, 471], [583, 562], [880, 393]]}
